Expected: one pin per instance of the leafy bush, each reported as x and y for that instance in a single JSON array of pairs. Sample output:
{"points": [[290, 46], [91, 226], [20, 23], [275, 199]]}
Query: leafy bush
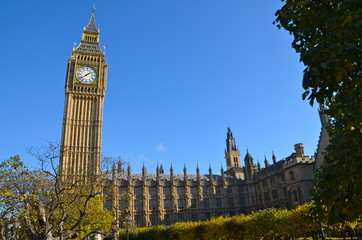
{"points": [[265, 224]]}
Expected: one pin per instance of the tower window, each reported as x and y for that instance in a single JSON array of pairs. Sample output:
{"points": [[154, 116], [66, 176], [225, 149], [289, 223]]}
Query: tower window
{"points": [[166, 204], [180, 217], [137, 219], [180, 203], [166, 191], [206, 203], [153, 220], [152, 204], [206, 190], [180, 191], [151, 191], [137, 191], [167, 219], [231, 202], [218, 203], [137, 205], [193, 202], [193, 190]]}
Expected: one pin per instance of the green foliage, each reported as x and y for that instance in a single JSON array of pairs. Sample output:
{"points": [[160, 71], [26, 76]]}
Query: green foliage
{"points": [[328, 36], [265, 224], [36, 206], [16, 188], [97, 219]]}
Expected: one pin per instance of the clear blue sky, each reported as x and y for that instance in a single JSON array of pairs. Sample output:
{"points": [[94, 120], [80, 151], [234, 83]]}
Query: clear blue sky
{"points": [[179, 73]]}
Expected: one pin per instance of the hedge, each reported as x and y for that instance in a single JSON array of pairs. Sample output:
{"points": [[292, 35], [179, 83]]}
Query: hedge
{"points": [[265, 224]]}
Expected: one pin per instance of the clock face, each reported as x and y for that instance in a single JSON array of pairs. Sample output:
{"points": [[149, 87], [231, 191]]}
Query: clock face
{"points": [[86, 75]]}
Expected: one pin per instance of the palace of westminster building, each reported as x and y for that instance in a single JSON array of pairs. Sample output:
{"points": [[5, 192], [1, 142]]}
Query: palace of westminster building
{"points": [[150, 199]]}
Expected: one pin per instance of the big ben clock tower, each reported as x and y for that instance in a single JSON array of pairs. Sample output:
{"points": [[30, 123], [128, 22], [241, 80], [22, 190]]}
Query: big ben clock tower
{"points": [[85, 87]]}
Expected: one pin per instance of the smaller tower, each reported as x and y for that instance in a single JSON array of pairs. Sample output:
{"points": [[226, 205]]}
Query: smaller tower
{"points": [[299, 149], [249, 165], [248, 160], [232, 154]]}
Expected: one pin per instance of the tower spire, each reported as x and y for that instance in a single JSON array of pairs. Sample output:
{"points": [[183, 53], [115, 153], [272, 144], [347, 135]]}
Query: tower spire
{"points": [[90, 38], [232, 154], [91, 27]]}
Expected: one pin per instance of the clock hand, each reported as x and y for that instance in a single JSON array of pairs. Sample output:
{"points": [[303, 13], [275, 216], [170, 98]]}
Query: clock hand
{"points": [[86, 74]]}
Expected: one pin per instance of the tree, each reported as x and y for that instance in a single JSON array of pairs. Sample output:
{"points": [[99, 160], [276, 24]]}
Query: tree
{"points": [[47, 207], [328, 36], [12, 174]]}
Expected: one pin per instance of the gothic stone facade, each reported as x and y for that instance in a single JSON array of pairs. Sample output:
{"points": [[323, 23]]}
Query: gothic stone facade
{"points": [[153, 199]]}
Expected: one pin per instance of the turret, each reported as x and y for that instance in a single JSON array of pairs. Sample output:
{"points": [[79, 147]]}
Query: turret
{"points": [[248, 160], [299, 150], [249, 165]]}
